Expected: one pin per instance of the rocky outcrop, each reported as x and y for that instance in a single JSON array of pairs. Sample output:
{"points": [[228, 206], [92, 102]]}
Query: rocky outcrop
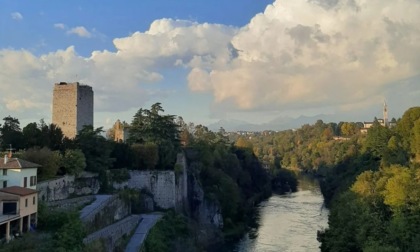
{"points": [[205, 211]]}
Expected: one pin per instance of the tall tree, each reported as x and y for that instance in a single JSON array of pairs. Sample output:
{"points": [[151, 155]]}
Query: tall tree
{"points": [[11, 134], [32, 135], [95, 147], [162, 130]]}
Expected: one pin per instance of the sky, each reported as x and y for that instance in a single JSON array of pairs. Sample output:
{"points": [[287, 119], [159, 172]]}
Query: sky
{"points": [[250, 60]]}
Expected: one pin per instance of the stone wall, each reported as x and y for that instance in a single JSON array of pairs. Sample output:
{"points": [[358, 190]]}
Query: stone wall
{"points": [[114, 232], [161, 184], [71, 204], [169, 190], [63, 187], [112, 210]]}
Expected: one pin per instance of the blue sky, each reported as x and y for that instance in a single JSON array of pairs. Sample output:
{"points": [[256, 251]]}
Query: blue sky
{"points": [[251, 60], [111, 19]]}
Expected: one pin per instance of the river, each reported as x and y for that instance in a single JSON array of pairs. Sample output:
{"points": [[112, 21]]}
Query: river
{"points": [[288, 222]]}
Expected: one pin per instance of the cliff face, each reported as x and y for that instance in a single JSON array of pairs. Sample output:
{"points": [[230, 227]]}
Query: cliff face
{"points": [[204, 211]]}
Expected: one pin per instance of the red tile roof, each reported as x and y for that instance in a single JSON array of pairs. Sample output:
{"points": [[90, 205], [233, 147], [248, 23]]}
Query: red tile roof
{"points": [[17, 190], [17, 163]]}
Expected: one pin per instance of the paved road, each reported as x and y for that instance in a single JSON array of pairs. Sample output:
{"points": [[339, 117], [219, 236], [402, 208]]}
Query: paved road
{"points": [[146, 223], [87, 210]]}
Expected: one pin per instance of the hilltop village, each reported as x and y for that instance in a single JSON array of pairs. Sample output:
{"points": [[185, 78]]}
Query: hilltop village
{"points": [[160, 183]]}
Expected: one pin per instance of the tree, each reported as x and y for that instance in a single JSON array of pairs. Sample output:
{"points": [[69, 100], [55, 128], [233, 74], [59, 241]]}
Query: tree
{"points": [[49, 160], [11, 133], [348, 129], [415, 142], [377, 139], [145, 155], [406, 124], [150, 126], [73, 161], [32, 135], [95, 147], [243, 143]]}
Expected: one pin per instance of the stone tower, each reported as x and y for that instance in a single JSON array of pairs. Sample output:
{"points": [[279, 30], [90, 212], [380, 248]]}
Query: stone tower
{"points": [[72, 107]]}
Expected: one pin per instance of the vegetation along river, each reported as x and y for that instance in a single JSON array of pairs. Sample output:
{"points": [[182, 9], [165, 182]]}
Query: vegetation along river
{"points": [[288, 222]]}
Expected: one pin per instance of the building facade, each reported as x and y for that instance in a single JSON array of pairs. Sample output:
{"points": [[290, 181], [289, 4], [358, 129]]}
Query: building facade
{"points": [[18, 197], [18, 211], [72, 107], [17, 172]]}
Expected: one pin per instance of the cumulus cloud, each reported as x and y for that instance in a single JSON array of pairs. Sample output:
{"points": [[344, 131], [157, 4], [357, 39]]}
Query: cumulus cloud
{"points": [[16, 16], [122, 79], [295, 55], [80, 31], [302, 53]]}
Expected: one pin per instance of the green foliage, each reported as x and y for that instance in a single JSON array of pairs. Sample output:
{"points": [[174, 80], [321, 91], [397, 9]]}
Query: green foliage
{"points": [[119, 175], [30, 242], [146, 156], [69, 237], [243, 143], [11, 134], [171, 233], [377, 139], [65, 226], [231, 177], [406, 125], [49, 160], [96, 148], [381, 211], [73, 161], [148, 126]]}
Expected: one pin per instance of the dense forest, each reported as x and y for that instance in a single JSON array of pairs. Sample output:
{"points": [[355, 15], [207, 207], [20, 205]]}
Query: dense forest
{"points": [[229, 173], [371, 182]]}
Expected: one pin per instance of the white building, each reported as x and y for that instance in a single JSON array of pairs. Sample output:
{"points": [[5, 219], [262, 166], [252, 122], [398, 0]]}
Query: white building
{"points": [[18, 197], [17, 172]]}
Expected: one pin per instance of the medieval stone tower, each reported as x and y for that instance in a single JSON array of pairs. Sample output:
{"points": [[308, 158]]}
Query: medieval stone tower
{"points": [[72, 107]]}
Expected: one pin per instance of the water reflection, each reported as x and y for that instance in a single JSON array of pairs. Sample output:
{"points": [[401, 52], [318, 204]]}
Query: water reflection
{"points": [[288, 222]]}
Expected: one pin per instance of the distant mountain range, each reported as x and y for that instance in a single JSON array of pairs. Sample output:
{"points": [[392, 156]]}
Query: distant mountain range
{"points": [[280, 123]]}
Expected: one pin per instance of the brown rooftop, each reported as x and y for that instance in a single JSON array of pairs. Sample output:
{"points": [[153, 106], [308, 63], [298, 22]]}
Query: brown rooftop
{"points": [[17, 190], [17, 163]]}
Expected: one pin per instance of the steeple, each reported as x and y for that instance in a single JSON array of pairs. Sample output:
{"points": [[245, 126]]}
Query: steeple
{"points": [[386, 124]]}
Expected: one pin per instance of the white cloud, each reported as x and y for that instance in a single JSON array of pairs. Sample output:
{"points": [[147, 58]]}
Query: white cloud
{"points": [[297, 54], [302, 53], [60, 26], [80, 31], [16, 16], [121, 79]]}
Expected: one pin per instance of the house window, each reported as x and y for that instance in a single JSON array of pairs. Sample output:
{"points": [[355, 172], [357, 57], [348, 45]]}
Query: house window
{"points": [[34, 200], [26, 202], [25, 182], [4, 184], [32, 181], [4, 172]]}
